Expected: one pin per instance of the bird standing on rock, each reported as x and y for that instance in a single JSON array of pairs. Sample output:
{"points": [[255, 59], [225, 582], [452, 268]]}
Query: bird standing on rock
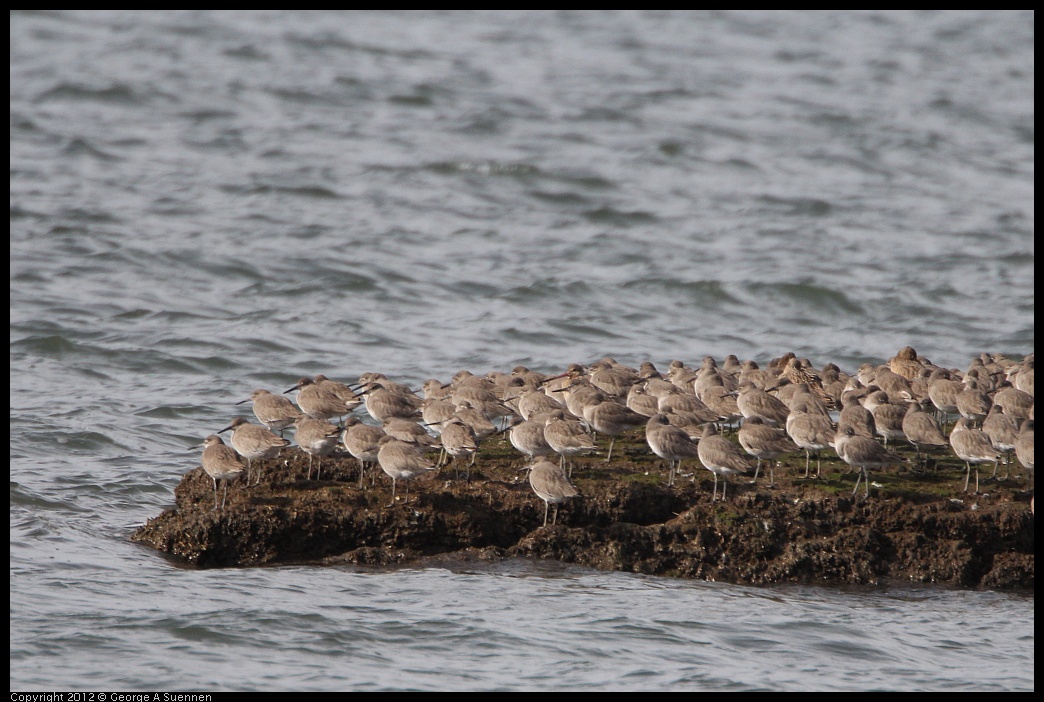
{"points": [[551, 485]]}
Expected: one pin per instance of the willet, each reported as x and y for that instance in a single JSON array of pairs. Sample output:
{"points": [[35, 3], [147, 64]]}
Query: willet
{"points": [[384, 403], [339, 390], [1003, 431], [409, 431], [1024, 445], [765, 442], [720, 456], [362, 441], [1022, 378], [669, 443], [433, 389], [402, 461], [482, 399], [551, 485], [811, 431], [534, 401], [973, 403], [972, 446], [684, 403], [614, 381], [316, 437], [458, 440], [274, 411], [612, 419], [888, 418], [316, 402], [753, 401], [921, 429], [476, 419], [528, 437], [436, 413], [863, 453], [1015, 402], [254, 443], [943, 392], [566, 437], [642, 402], [856, 417], [722, 403], [221, 463]]}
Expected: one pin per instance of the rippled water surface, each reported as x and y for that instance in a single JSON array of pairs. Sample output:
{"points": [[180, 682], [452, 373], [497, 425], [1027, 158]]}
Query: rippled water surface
{"points": [[206, 203]]}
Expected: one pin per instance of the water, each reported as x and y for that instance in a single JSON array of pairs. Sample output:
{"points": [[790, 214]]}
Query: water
{"points": [[207, 203]]}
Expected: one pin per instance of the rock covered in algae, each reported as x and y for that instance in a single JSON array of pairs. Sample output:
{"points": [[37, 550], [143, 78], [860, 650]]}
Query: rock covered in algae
{"points": [[914, 527]]}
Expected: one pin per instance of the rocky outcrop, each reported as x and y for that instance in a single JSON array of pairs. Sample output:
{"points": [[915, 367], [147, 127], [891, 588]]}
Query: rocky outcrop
{"points": [[914, 527]]}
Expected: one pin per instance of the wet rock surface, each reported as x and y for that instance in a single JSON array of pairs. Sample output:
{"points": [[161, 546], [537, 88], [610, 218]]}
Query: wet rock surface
{"points": [[915, 527]]}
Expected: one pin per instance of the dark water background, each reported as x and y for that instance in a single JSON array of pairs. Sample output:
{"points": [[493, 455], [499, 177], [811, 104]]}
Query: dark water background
{"points": [[206, 202]]}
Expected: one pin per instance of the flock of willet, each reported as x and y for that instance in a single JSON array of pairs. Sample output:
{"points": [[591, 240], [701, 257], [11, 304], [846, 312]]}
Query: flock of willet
{"points": [[787, 407]]}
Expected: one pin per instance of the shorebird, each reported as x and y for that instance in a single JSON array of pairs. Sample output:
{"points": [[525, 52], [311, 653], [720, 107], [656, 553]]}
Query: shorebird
{"points": [[753, 401], [409, 431], [341, 391], [476, 419], [566, 437], [402, 461], [863, 453], [536, 401], [528, 377], [433, 389], [458, 441], [436, 413], [383, 402], [722, 403], [888, 418], [528, 437], [921, 429], [316, 437], [674, 400], [943, 392], [973, 403], [318, 403], [362, 441], [1021, 375], [1024, 445], [973, 446], [798, 373], [720, 456], [274, 411], [612, 419], [1015, 402], [905, 363], [1003, 431], [833, 383], [254, 443], [691, 424], [669, 443], [684, 377], [221, 463], [811, 431], [614, 381], [551, 485], [856, 417], [480, 397], [577, 396], [642, 402], [753, 374], [765, 442]]}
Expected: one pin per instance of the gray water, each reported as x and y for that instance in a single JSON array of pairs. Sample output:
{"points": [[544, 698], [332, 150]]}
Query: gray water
{"points": [[207, 203]]}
